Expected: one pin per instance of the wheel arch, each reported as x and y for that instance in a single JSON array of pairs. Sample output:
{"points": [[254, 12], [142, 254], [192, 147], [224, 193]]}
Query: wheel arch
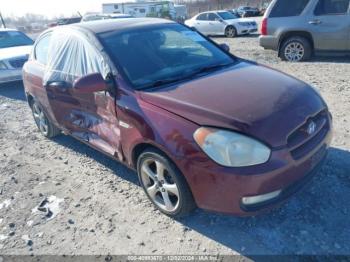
{"points": [[295, 33]]}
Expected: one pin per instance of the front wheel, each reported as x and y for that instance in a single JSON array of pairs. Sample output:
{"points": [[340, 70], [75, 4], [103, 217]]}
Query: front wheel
{"points": [[230, 32], [164, 185], [43, 123], [296, 49]]}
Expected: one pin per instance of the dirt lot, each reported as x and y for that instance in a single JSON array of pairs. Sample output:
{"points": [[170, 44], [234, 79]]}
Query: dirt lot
{"points": [[101, 209]]}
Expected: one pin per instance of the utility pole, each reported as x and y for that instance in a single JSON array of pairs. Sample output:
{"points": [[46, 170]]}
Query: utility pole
{"points": [[2, 21]]}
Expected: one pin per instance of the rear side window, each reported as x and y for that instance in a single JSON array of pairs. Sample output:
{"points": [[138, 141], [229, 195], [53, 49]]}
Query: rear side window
{"points": [[212, 17], [332, 7], [284, 8], [202, 17], [42, 48]]}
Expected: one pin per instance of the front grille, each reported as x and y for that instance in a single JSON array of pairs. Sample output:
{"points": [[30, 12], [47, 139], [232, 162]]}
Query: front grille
{"points": [[301, 142], [18, 62]]}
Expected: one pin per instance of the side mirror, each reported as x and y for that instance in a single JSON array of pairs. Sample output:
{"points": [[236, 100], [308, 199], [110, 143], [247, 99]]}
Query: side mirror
{"points": [[90, 84], [225, 47]]}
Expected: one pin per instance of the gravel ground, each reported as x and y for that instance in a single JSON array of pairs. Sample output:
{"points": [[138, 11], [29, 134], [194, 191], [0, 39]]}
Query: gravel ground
{"points": [[102, 210]]}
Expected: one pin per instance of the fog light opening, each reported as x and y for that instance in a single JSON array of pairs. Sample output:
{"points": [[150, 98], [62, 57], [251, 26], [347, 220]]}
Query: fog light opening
{"points": [[253, 200]]}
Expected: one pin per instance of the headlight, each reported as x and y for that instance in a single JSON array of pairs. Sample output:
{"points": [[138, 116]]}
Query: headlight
{"points": [[243, 23], [3, 66], [231, 149]]}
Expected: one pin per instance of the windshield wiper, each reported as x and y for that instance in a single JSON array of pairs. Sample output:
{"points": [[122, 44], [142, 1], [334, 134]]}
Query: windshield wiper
{"points": [[162, 82], [210, 68], [184, 77]]}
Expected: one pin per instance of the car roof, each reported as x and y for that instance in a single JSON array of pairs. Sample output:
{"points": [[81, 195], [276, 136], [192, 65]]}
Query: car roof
{"points": [[109, 25], [7, 29]]}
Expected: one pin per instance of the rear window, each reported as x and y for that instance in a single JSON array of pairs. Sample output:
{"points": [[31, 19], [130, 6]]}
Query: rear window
{"points": [[284, 8], [332, 7]]}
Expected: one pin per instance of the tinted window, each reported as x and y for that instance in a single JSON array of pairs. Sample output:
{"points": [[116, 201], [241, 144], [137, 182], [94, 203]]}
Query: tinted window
{"points": [[41, 49], [203, 17], [329, 7], [227, 15], [168, 51], [284, 8], [212, 17], [14, 38]]}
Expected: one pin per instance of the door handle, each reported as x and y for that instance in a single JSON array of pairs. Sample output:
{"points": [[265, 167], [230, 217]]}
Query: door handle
{"points": [[315, 22]]}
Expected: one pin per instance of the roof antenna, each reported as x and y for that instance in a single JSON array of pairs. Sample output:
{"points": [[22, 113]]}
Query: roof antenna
{"points": [[2, 21]]}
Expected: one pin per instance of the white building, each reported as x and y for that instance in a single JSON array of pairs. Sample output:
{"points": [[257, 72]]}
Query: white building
{"points": [[141, 8]]}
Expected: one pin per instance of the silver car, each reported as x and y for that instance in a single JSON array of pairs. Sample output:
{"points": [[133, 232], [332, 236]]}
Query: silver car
{"points": [[14, 51], [300, 28], [222, 23]]}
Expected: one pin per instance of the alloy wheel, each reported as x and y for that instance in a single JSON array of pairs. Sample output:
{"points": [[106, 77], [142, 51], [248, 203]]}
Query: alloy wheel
{"points": [[159, 185], [231, 32], [40, 119], [294, 52]]}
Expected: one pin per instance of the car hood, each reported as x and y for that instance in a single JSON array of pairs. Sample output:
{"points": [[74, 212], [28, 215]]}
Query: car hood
{"points": [[16, 51], [253, 99]]}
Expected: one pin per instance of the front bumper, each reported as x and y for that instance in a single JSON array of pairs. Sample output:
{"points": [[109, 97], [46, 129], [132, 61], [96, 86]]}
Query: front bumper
{"points": [[10, 75], [244, 30], [222, 189]]}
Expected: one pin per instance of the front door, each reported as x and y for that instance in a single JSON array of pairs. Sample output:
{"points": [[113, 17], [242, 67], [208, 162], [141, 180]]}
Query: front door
{"points": [[330, 25], [89, 117]]}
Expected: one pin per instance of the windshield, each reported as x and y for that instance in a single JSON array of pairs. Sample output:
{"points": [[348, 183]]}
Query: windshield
{"points": [[227, 15], [14, 38], [166, 53]]}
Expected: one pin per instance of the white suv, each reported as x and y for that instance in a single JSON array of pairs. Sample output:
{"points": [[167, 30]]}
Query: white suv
{"points": [[222, 23]]}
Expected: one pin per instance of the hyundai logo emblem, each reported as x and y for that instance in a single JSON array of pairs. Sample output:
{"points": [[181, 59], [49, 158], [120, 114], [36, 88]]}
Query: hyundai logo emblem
{"points": [[311, 128]]}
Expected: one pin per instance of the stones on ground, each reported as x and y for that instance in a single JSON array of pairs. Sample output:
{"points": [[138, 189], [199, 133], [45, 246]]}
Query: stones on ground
{"points": [[27, 240], [50, 206], [70, 221]]}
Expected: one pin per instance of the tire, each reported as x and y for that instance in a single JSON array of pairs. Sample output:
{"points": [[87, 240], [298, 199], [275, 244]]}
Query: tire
{"points": [[44, 125], [169, 184], [296, 49], [230, 31]]}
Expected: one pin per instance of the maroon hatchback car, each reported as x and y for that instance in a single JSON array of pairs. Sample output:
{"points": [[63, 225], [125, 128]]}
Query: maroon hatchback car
{"points": [[202, 127]]}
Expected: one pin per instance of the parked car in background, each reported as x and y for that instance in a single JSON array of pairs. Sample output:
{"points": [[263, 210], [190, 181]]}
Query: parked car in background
{"points": [[300, 28], [68, 21], [234, 12], [15, 47], [222, 23], [101, 16], [200, 126], [247, 11]]}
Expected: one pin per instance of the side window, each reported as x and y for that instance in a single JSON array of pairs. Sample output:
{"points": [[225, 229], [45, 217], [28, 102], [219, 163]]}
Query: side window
{"points": [[69, 46], [202, 17], [284, 8], [332, 7], [42, 49], [212, 17]]}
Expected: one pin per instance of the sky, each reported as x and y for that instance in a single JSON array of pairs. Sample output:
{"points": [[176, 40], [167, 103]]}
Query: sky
{"points": [[51, 8]]}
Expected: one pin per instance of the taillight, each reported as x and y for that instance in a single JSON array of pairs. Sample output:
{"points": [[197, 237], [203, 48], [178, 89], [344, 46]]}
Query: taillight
{"points": [[264, 27]]}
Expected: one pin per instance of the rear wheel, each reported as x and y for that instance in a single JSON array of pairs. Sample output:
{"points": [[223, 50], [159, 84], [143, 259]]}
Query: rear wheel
{"points": [[43, 123], [231, 32], [296, 49], [164, 185]]}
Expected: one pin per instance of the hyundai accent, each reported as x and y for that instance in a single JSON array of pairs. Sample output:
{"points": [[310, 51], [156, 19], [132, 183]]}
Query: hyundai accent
{"points": [[201, 127]]}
